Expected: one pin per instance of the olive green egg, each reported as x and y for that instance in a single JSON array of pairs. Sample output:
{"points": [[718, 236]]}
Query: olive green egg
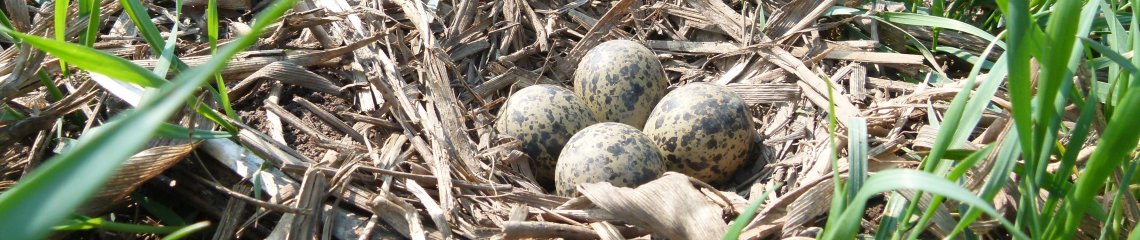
{"points": [[621, 81], [543, 117], [704, 131], [607, 152]]}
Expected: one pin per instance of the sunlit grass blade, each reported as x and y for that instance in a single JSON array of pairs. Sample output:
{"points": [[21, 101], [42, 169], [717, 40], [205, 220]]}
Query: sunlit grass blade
{"points": [[1077, 139], [7, 24], [90, 10], [1117, 39], [938, 22], [1135, 234], [746, 217], [968, 163], [1020, 30], [94, 60], [856, 155], [838, 204], [60, 21], [86, 223], [964, 112], [999, 175], [1059, 189], [1053, 63], [1114, 56], [150, 33], [957, 173], [1116, 224], [167, 56], [49, 193], [983, 96], [1117, 141], [896, 179], [212, 35], [1135, 35]]}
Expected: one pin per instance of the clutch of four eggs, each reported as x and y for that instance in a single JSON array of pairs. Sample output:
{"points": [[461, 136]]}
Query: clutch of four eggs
{"points": [[621, 125]]}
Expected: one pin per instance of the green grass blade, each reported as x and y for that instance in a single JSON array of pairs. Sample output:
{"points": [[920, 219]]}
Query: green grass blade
{"points": [[167, 57], [746, 217], [856, 155], [164, 214], [1079, 134], [1135, 234], [842, 11], [61, 28], [1117, 141], [896, 179], [982, 98], [1135, 35], [1114, 226], [938, 22], [953, 175], [896, 205], [48, 194], [968, 163], [1113, 56], [90, 9], [965, 55], [94, 60], [174, 131], [212, 24], [1054, 61], [1020, 30], [85, 223], [187, 231], [54, 94], [948, 128], [7, 24], [1060, 185], [838, 204], [212, 35], [150, 33]]}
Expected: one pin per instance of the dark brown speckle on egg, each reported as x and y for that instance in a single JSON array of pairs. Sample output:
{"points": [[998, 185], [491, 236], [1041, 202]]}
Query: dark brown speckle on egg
{"points": [[703, 130], [607, 152], [620, 81], [543, 117]]}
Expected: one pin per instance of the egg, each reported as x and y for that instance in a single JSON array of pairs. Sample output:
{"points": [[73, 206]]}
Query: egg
{"points": [[607, 152], [543, 117], [704, 131], [621, 81]]}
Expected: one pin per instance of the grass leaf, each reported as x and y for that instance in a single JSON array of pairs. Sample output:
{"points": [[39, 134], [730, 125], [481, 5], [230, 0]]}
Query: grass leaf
{"points": [[938, 22], [896, 179], [1004, 164], [94, 60], [51, 192], [856, 155], [746, 217]]}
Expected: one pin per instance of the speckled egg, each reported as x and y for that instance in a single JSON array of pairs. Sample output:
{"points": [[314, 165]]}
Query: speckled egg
{"points": [[607, 152], [543, 117], [620, 81], [703, 130]]}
